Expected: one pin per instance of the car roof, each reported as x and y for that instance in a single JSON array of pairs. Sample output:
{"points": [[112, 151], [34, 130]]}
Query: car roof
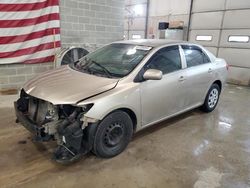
{"points": [[152, 42]]}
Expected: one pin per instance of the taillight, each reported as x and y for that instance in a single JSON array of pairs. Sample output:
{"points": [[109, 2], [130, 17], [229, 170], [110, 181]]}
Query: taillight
{"points": [[228, 66]]}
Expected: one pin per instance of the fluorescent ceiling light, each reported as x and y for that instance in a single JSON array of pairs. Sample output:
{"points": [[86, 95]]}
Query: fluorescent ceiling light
{"points": [[204, 38], [238, 39], [136, 36], [138, 9]]}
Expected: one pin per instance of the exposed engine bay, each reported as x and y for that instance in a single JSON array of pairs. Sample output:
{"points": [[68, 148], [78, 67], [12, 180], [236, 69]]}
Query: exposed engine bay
{"points": [[66, 124]]}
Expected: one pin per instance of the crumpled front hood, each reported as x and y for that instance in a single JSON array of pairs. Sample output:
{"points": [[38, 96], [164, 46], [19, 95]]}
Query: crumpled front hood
{"points": [[67, 86]]}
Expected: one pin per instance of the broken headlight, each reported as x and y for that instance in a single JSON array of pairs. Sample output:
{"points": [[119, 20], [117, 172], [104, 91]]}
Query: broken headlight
{"points": [[68, 110], [87, 107], [52, 112]]}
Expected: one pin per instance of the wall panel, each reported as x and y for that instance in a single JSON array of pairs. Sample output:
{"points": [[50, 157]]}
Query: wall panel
{"points": [[236, 57], [204, 5], [236, 32], [207, 20], [168, 7], [239, 76], [237, 4], [236, 19]]}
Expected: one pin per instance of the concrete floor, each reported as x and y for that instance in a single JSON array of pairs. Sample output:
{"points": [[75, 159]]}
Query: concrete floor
{"points": [[193, 150]]}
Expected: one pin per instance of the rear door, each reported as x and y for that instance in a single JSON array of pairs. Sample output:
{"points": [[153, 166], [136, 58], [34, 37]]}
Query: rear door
{"points": [[199, 74]]}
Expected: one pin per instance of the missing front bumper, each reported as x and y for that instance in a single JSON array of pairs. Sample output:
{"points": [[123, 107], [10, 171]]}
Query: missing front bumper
{"points": [[78, 140], [39, 133]]}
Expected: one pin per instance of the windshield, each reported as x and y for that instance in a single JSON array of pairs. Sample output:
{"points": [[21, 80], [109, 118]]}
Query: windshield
{"points": [[114, 60]]}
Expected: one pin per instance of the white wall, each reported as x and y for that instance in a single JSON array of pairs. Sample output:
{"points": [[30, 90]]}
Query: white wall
{"points": [[159, 11], [167, 11], [135, 24], [169, 7]]}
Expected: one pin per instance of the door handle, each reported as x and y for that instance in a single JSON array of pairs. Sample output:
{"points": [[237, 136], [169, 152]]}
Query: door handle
{"points": [[182, 78], [210, 70]]}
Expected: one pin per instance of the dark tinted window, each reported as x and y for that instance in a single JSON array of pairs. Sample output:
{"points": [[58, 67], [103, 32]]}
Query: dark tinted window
{"points": [[195, 56], [167, 60]]}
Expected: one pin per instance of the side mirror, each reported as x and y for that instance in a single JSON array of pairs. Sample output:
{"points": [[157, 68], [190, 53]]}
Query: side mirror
{"points": [[152, 74]]}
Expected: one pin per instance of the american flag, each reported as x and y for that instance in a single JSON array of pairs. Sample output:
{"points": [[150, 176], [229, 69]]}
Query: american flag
{"points": [[29, 31]]}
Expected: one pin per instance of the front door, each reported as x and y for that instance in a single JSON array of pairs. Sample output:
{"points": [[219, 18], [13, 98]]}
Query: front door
{"points": [[162, 98]]}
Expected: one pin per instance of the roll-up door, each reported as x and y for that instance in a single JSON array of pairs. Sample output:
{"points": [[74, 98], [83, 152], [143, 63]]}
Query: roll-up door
{"points": [[223, 27]]}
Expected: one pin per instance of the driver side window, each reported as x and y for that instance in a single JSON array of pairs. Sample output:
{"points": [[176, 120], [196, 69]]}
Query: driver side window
{"points": [[166, 60]]}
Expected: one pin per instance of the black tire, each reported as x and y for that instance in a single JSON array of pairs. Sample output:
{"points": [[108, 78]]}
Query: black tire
{"points": [[113, 134], [207, 106]]}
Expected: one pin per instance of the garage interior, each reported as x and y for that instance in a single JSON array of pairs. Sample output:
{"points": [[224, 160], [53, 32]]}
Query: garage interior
{"points": [[191, 150]]}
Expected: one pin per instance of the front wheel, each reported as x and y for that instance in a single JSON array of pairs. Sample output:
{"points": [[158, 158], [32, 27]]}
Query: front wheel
{"points": [[113, 134], [212, 98]]}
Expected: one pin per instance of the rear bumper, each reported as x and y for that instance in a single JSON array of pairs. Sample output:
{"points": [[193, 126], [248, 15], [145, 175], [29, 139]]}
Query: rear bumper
{"points": [[27, 123]]}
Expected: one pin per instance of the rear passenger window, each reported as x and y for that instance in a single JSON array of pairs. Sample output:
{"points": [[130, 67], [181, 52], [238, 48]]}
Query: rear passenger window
{"points": [[195, 56], [166, 60]]}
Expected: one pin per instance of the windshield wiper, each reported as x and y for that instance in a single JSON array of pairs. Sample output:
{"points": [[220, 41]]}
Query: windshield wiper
{"points": [[106, 71], [84, 67]]}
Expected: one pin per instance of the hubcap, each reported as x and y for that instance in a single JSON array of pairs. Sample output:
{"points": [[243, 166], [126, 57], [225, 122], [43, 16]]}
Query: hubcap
{"points": [[213, 98], [113, 135]]}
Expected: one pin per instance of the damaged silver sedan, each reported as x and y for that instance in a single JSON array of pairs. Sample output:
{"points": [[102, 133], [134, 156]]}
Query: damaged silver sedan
{"points": [[98, 102]]}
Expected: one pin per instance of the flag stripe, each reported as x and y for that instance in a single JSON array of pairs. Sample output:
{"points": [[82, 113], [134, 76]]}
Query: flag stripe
{"points": [[30, 50], [21, 1], [24, 58], [28, 14], [27, 22], [40, 60], [10, 7], [28, 29], [27, 37], [27, 44]]}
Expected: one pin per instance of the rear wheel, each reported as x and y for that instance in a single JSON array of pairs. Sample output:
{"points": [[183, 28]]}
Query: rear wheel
{"points": [[113, 134], [212, 98]]}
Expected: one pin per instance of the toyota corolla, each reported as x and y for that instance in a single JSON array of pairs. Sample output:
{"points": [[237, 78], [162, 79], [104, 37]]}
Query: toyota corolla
{"points": [[98, 103]]}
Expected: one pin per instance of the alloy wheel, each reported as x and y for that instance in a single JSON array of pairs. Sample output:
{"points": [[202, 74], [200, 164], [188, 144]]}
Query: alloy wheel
{"points": [[213, 98]]}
